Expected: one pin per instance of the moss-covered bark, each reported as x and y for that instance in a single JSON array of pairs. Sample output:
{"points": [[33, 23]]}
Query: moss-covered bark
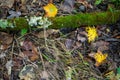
{"points": [[76, 20], [20, 23], [95, 18]]}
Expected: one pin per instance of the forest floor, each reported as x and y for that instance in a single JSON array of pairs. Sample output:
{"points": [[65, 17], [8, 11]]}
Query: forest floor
{"points": [[59, 54]]}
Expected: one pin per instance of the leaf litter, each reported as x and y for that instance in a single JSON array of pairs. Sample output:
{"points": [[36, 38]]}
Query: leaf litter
{"points": [[77, 54]]}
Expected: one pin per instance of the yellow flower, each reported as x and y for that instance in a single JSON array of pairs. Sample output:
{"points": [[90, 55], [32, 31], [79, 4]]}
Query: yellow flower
{"points": [[99, 58], [50, 10], [92, 33]]}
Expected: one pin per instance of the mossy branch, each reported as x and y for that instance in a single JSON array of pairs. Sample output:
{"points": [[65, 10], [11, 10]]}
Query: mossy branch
{"points": [[76, 20], [95, 18]]}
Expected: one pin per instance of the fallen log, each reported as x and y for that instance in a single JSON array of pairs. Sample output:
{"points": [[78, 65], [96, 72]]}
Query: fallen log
{"points": [[76, 20], [95, 18]]}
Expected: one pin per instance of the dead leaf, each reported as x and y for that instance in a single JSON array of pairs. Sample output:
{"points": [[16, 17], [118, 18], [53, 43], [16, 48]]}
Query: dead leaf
{"points": [[100, 45], [8, 3], [68, 5], [2, 55], [48, 33], [50, 1], [85, 3], [30, 50], [69, 43], [27, 73], [45, 75], [4, 47], [27, 45], [103, 48], [30, 55], [14, 14], [9, 65], [81, 38], [5, 40], [3, 12], [17, 62]]}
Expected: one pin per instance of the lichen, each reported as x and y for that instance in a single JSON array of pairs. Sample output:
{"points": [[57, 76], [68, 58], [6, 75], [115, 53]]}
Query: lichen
{"points": [[5, 24], [40, 22]]}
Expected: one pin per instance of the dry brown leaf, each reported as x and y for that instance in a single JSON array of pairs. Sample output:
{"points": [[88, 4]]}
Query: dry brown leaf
{"points": [[27, 45], [30, 50], [50, 1], [48, 33], [8, 3], [17, 62], [5, 40], [100, 45], [68, 5], [85, 3], [4, 47]]}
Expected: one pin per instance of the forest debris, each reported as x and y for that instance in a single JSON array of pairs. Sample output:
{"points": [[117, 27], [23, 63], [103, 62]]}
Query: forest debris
{"points": [[69, 43], [30, 50], [100, 45], [68, 73], [8, 3], [81, 38], [14, 14], [9, 65], [2, 55], [85, 3], [48, 33], [68, 5], [5, 40], [3, 12], [45, 75], [27, 73]]}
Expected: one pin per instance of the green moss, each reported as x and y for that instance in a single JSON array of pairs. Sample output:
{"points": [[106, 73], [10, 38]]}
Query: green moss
{"points": [[95, 18], [21, 23]]}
